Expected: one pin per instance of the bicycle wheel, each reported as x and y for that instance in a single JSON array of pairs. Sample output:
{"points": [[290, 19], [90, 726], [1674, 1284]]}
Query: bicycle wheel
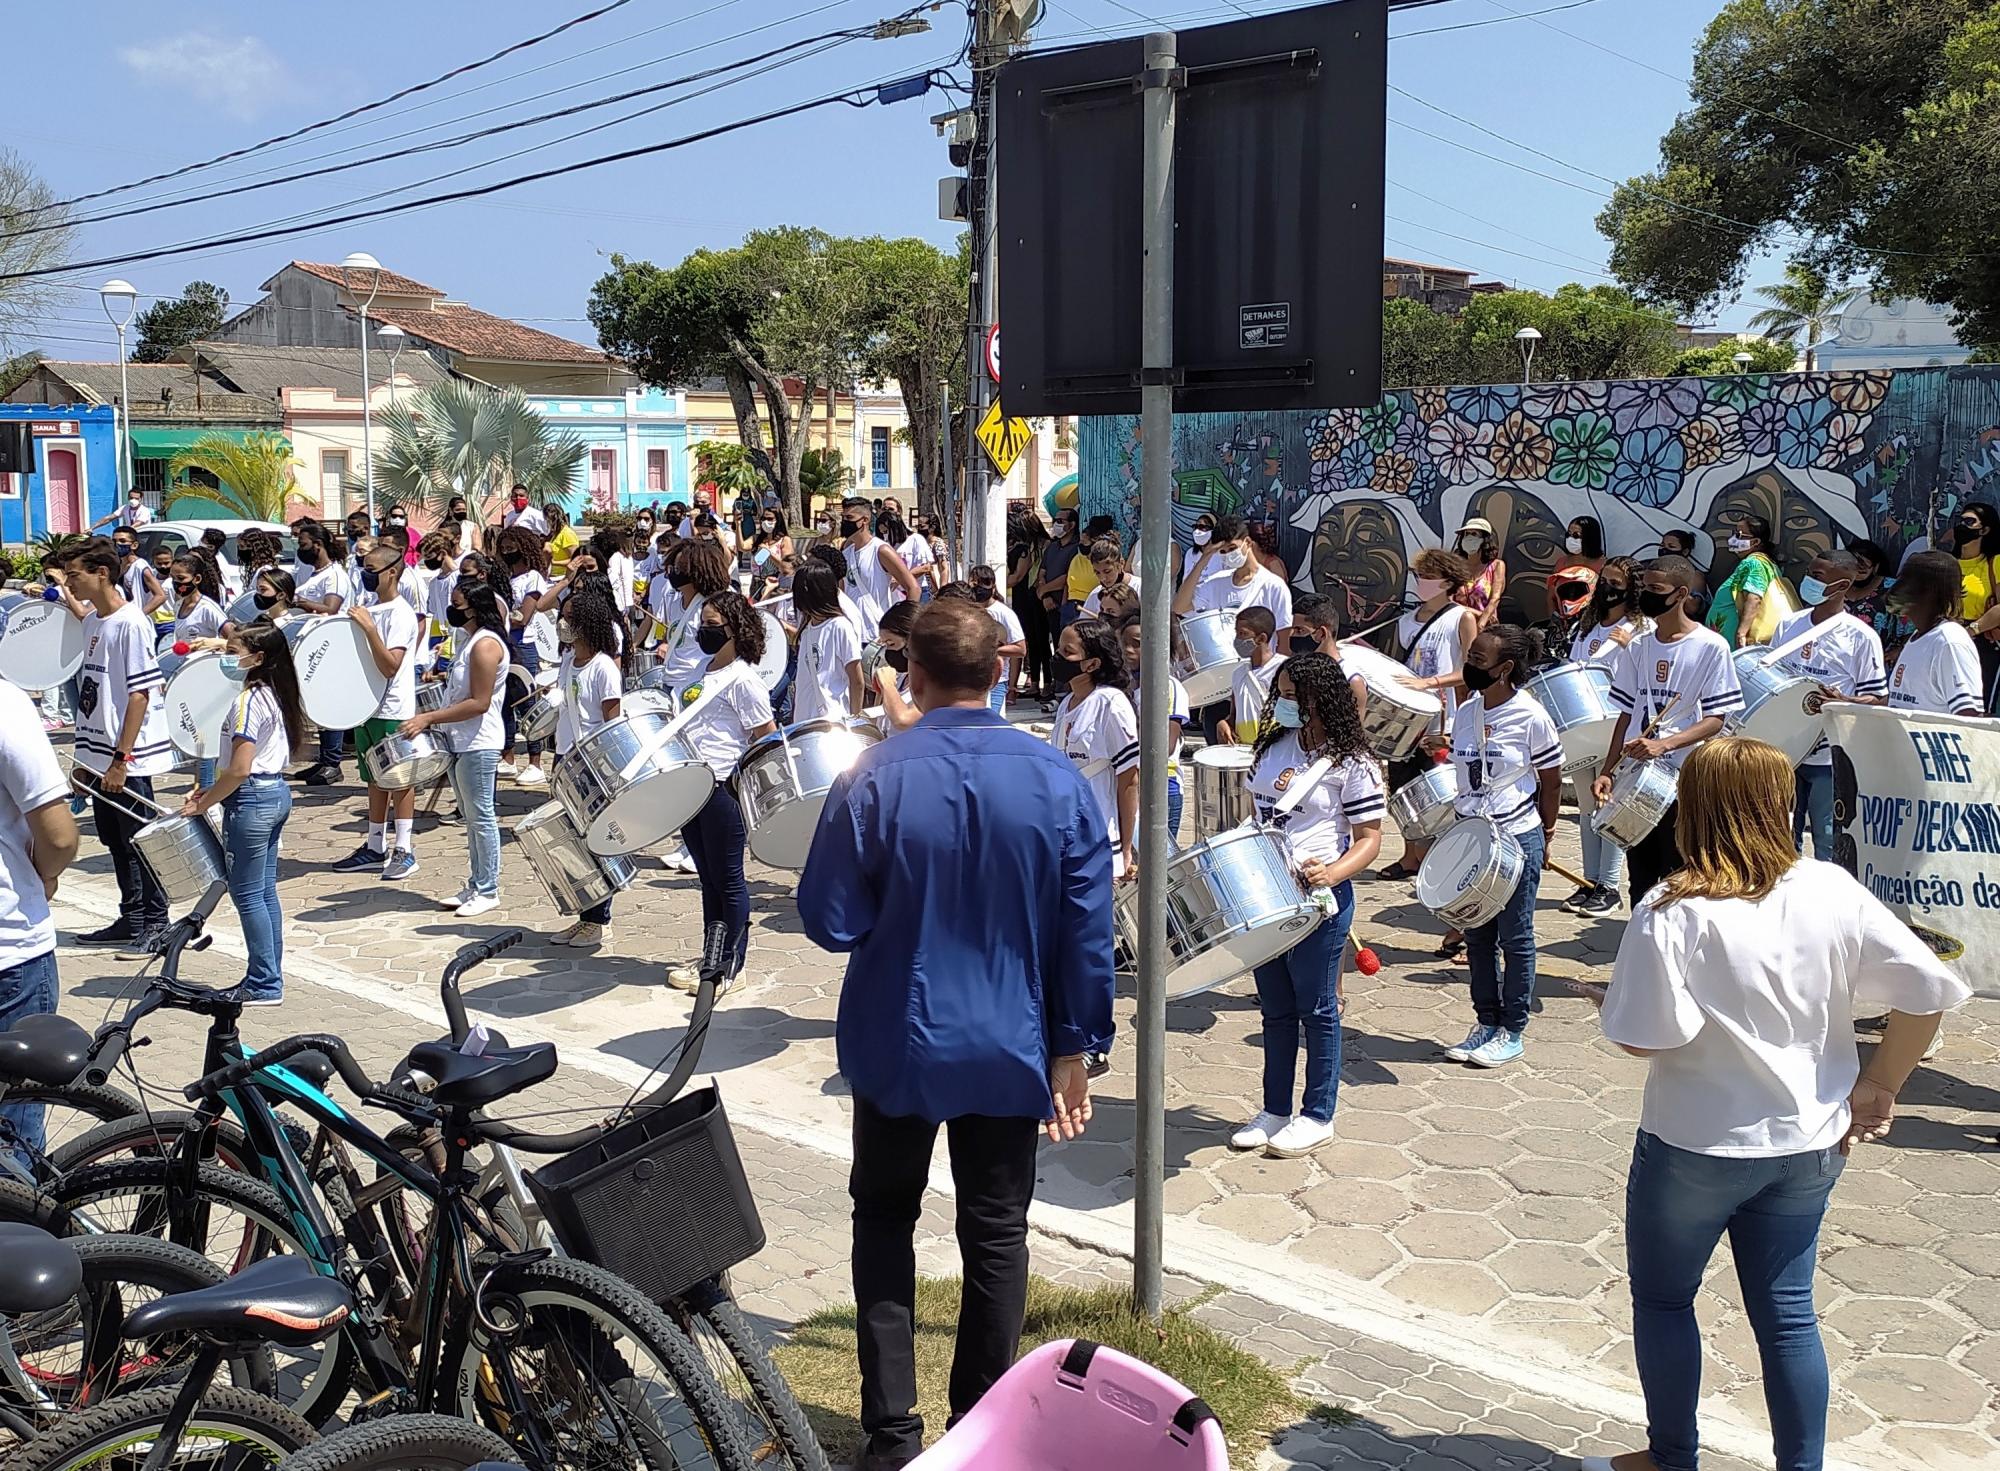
{"points": [[607, 1378], [406, 1215], [147, 1136], [402, 1443], [22, 1204], [69, 1109], [769, 1416], [230, 1427], [76, 1355]]}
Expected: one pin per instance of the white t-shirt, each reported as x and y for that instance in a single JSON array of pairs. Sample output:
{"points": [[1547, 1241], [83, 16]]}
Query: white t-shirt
{"points": [[1265, 589], [133, 581], [584, 692], [414, 586], [540, 630], [487, 730], [1249, 690], [119, 662], [30, 778], [139, 515], [329, 582], [1177, 710], [1436, 647], [528, 518], [255, 717], [1938, 671], [678, 651], [1750, 1006], [721, 732], [1520, 741], [819, 692], [915, 552], [1095, 602], [400, 628], [1322, 825], [1599, 644], [437, 601], [1693, 674], [1102, 732], [1215, 568], [204, 621], [618, 567], [869, 583], [1844, 654], [1011, 631]]}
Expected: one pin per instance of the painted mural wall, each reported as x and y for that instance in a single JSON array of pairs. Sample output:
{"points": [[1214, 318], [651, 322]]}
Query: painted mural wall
{"points": [[1354, 494]]}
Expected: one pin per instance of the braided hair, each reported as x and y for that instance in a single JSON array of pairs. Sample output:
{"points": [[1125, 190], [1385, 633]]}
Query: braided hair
{"points": [[1521, 647], [593, 619], [1323, 694]]}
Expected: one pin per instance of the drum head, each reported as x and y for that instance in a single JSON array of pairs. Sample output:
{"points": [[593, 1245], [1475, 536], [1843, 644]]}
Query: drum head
{"points": [[43, 645], [653, 806], [777, 653], [339, 684], [784, 837], [243, 607], [199, 697], [647, 702], [1783, 722], [1238, 758], [1453, 862]]}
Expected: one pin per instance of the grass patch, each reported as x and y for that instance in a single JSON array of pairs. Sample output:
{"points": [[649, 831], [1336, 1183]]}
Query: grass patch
{"points": [[1251, 1399]]}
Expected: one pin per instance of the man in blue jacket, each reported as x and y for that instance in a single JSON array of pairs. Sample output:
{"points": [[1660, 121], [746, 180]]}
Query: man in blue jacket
{"points": [[963, 867]]}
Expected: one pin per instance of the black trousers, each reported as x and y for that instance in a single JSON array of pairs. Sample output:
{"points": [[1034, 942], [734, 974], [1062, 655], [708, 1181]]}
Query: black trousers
{"points": [[142, 903], [1653, 857], [993, 1171]]}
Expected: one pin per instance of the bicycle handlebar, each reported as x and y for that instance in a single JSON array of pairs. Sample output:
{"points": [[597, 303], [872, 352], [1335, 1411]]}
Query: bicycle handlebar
{"points": [[477, 953], [238, 1073]]}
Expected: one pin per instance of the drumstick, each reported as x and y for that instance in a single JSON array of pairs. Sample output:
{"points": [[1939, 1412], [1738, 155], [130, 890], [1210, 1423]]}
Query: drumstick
{"points": [[1365, 960], [1576, 878], [1665, 710]]}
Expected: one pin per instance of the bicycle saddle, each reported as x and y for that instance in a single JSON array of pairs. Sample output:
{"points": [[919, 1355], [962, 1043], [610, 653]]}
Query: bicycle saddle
{"points": [[279, 1300], [44, 1049], [37, 1271], [474, 1082]]}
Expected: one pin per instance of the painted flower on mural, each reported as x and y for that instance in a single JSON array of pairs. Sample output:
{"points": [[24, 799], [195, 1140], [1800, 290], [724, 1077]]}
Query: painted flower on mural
{"points": [[1378, 424], [1761, 420], [1585, 451], [1520, 450], [1860, 393], [1322, 438], [1349, 469], [1460, 450], [1486, 403], [1654, 403], [1425, 485], [1410, 435], [1546, 401], [1429, 402], [1394, 474], [1713, 435], [1844, 439], [1738, 390], [1798, 388], [1649, 466], [1803, 437]]}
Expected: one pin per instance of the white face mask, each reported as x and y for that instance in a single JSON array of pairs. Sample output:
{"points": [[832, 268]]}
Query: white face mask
{"points": [[1234, 559], [1739, 543], [1574, 546], [1202, 538], [1470, 543], [1428, 588]]}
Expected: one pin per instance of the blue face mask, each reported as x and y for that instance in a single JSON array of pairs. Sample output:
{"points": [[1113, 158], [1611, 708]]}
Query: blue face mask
{"points": [[370, 579], [1287, 713], [1812, 590], [232, 668]]}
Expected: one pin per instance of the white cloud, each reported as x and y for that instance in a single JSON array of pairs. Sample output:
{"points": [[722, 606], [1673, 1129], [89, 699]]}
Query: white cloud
{"points": [[240, 75]]}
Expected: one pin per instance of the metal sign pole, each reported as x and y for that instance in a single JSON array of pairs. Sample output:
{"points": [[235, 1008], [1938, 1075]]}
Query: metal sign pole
{"points": [[1161, 80]]}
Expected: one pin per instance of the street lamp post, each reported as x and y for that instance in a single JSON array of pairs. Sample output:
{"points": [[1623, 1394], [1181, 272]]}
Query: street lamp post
{"points": [[119, 298], [394, 336], [1742, 361], [1527, 337], [360, 260]]}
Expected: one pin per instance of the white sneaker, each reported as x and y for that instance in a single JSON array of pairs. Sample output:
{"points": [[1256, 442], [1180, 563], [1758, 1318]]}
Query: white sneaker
{"points": [[684, 978], [1474, 1040], [463, 896], [680, 861], [532, 777], [582, 936], [1257, 1133], [478, 904], [1301, 1136], [505, 768]]}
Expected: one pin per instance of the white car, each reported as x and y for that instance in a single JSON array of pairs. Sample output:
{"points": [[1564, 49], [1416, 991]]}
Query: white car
{"points": [[179, 534]]}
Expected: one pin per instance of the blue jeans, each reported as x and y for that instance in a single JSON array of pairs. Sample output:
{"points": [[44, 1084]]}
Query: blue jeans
{"points": [[1603, 860], [1173, 812], [252, 818], [1299, 992], [1812, 809], [472, 774], [996, 698], [332, 746], [204, 772], [1508, 942], [715, 839], [1677, 1206], [27, 989]]}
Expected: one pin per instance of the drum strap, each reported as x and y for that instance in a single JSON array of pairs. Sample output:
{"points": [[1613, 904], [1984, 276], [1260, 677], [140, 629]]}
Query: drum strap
{"points": [[1299, 790], [670, 731], [1785, 651]]}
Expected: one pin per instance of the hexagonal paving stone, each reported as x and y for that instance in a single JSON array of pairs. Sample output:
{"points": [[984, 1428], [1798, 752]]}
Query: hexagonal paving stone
{"points": [[1343, 1161], [1376, 1127], [1977, 1254], [1535, 1176], [1357, 1252], [1554, 1218], [1547, 1269], [1483, 1123], [1450, 1287], [1915, 1389], [1258, 1218], [1879, 1227], [1940, 1450], [1890, 1272], [1464, 1151], [1356, 1203], [1944, 1172], [1259, 1174], [1449, 1236], [1954, 1213], [1573, 1144], [1897, 1326], [1459, 1190], [1863, 1183], [1979, 1300]]}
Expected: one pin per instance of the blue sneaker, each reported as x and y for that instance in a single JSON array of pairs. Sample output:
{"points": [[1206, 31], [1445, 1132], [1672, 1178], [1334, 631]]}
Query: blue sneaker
{"points": [[1475, 1039], [1500, 1048], [402, 863], [361, 860]]}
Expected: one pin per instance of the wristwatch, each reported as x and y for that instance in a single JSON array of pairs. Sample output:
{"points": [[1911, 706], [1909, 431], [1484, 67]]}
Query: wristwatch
{"points": [[121, 758]]}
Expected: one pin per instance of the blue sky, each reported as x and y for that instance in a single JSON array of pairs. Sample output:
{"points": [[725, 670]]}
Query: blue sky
{"points": [[141, 89]]}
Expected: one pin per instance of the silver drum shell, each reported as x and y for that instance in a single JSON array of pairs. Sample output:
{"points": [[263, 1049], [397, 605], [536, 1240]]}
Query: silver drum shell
{"points": [[1425, 807], [184, 853], [576, 878], [396, 761], [1577, 698], [1205, 656], [782, 783], [1467, 894], [1222, 797], [1641, 793], [622, 814]]}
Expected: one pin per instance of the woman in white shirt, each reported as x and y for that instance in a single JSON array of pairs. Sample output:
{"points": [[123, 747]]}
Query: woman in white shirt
{"points": [[827, 684], [1509, 760], [891, 683], [1434, 637], [592, 691], [473, 722], [1739, 980], [264, 726], [1097, 729], [1331, 819], [984, 589], [531, 635], [197, 598], [1609, 628], [736, 714]]}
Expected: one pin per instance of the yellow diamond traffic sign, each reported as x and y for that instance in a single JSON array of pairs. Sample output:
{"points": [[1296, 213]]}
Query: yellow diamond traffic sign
{"points": [[1003, 438]]}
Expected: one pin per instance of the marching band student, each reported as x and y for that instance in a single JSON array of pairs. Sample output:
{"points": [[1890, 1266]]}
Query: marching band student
{"points": [[1845, 656], [163, 571], [1608, 629], [1096, 728], [1129, 639], [264, 726], [144, 588], [438, 554], [1333, 833], [892, 678], [1316, 630], [1509, 759], [592, 690], [271, 592], [197, 601], [1242, 582], [694, 572], [396, 643], [1675, 684], [532, 634], [1114, 575], [471, 719], [1434, 635], [981, 587], [324, 590], [874, 570], [736, 714], [1938, 669], [1250, 685], [829, 684], [914, 550]]}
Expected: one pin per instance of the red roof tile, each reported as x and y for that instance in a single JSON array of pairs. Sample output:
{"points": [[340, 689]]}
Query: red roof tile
{"points": [[482, 335], [393, 283]]}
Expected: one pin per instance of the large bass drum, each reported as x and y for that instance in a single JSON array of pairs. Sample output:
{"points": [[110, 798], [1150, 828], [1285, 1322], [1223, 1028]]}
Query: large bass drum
{"points": [[1578, 700], [1205, 656], [576, 878], [626, 789], [1397, 716], [1774, 706], [1233, 902], [783, 780]]}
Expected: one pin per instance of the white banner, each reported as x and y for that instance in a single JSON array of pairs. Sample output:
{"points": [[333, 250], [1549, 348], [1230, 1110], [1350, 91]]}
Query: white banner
{"points": [[1916, 815]]}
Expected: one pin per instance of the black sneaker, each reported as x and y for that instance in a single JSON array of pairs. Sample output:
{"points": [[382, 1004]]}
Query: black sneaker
{"points": [[1574, 904], [142, 947], [321, 776], [112, 934], [362, 860], [1598, 902]]}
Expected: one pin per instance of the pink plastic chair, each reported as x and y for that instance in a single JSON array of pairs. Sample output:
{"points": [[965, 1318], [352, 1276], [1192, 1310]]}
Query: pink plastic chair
{"points": [[1075, 1406]]}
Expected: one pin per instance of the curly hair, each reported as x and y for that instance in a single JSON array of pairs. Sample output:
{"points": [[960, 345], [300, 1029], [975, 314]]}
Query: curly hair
{"points": [[1452, 569], [1320, 686], [593, 619], [703, 564], [1521, 647], [530, 547], [255, 548], [1101, 642], [746, 628]]}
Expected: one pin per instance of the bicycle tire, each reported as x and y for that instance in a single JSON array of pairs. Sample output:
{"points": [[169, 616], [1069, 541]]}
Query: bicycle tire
{"points": [[92, 1100], [573, 1296], [22, 1204], [121, 1138], [82, 1442], [402, 1443], [774, 1422], [405, 1234]]}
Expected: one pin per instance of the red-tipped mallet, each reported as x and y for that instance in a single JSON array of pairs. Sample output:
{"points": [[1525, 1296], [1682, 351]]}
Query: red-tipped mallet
{"points": [[1365, 960], [182, 647]]}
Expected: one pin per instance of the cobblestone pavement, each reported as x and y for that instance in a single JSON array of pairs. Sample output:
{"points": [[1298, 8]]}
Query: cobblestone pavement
{"points": [[1463, 1219]]}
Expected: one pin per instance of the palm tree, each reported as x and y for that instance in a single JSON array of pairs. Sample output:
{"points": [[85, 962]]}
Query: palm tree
{"points": [[253, 475], [1802, 304], [458, 438]]}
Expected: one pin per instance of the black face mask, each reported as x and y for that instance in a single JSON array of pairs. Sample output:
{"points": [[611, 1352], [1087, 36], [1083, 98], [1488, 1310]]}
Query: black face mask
{"points": [[435, 564], [710, 638], [1479, 679], [1652, 603], [265, 600], [370, 579], [184, 588], [1304, 643], [897, 659], [457, 617], [1966, 536], [515, 559], [1608, 596], [849, 528]]}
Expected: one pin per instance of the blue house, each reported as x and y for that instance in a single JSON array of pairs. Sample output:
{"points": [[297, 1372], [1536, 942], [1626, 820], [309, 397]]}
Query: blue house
{"points": [[75, 480], [637, 441]]}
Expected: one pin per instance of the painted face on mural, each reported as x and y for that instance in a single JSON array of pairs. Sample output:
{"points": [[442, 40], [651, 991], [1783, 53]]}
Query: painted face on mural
{"points": [[1358, 559], [1802, 530], [1532, 537]]}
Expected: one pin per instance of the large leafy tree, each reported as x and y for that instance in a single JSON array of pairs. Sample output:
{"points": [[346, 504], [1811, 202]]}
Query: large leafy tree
{"points": [[1587, 332], [166, 326], [1860, 136], [458, 438], [915, 334], [250, 478], [1766, 356]]}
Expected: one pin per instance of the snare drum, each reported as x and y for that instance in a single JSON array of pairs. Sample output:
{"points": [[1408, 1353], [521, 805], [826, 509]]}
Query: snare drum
{"points": [[1427, 806], [1641, 793], [243, 607], [198, 700], [576, 878], [535, 710], [434, 695], [184, 853], [1470, 873], [1222, 797], [42, 646], [1205, 656], [777, 652], [1774, 706], [398, 761], [1233, 902], [626, 789], [1397, 716], [1578, 699], [783, 780], [339, 683]]}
